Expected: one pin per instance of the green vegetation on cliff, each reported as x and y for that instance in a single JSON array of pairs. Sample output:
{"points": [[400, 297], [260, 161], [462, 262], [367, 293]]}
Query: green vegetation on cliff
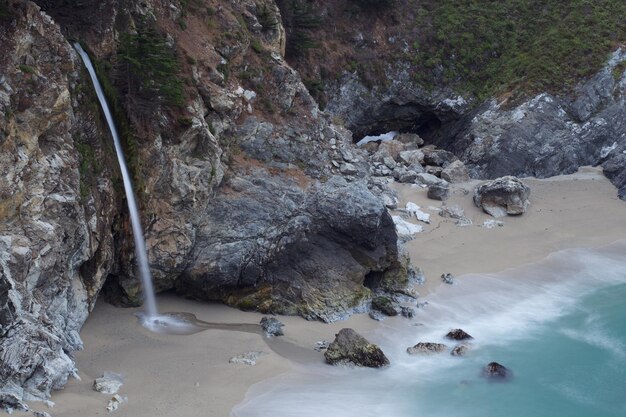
{"points": [[492, 47], [148, 68]]}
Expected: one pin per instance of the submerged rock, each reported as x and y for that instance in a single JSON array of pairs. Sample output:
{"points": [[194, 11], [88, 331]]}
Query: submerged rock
{"points": [[426, 348], [502, 196], [321, 345], [108, 383], [272, 326], [496, 372], [447, 278], [458, 334], [459, 350], [408, 312], [247, 358], [350, 348], [115, 402], [377, 315]]}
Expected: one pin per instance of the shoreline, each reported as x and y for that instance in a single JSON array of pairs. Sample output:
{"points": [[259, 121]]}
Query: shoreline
{"points": [[190, 375]]}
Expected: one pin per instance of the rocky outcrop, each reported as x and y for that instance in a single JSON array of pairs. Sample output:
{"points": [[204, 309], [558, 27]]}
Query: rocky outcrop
{"points": [[350, 348], [57, 205], [550, 135], [502, 196], [459, 350], [238, 186], [426, 348]]}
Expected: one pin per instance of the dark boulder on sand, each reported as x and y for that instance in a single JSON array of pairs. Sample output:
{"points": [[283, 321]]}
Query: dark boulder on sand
{"points": [[350, 348]]}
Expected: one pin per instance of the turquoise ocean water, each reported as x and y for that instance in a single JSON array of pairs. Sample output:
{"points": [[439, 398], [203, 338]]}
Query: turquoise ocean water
{"points": [[559, 325]]}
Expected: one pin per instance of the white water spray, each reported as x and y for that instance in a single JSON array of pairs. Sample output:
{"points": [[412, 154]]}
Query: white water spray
{"points": [[140, 246]]}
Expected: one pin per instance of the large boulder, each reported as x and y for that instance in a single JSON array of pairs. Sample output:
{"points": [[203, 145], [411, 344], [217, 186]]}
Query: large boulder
{"points": [[350, 348], [502, 196]]}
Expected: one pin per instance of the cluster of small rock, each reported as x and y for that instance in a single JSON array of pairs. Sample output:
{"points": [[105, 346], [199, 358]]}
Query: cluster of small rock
{"points": [[492, 371], [404, 159]]}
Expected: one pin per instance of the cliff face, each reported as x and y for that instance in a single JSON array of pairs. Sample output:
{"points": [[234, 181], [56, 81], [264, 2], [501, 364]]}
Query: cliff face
{"points": [[57, 205], [236, 170]]}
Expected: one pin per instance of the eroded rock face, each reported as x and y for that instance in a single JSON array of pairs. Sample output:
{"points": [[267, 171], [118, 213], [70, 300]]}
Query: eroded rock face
{"points": [[307, 253], [350, 348], [57, 206], [502, 196], [551, 135]]}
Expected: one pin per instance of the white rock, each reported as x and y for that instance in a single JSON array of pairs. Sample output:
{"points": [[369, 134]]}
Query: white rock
{"points": [[382, 138], [247, 358], [492, 224], [405, 229], [108, 383], [249, 95], [115, 402], [414, 209]]}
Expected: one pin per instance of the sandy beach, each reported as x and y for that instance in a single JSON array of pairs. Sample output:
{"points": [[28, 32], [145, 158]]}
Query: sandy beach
{"points": [[190, 376]]}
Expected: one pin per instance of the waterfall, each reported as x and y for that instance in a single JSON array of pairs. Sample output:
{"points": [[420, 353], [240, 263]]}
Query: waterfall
{"points": [[140, 246]]}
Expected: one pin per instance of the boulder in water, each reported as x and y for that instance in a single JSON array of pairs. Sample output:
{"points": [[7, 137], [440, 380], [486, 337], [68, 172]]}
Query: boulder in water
{"points": [[459, 350], [455, 172], [272, 326], [502, 196], [384, 305], [350, 348], [426, 348], [458, 334], [497, 372], [447, 278], [247, 358]]}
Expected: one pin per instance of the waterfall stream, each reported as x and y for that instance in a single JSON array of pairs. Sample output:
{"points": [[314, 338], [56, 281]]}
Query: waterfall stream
{"points": [[140, 245]]}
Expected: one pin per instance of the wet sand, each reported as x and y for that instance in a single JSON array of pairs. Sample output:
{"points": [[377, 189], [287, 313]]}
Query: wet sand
{"points": [[190, 376]]}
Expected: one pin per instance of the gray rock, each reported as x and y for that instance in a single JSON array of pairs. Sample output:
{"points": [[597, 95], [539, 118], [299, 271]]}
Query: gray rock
{"points": [[429, 179], [438, 157], [404, 175], [247, 358], [377, 315], [385, 305], [350, 348], [502, 196], [108, 383], [438, 192], [426, 348], [321, 345], [455, 172], [452, 212], [41, 414], [272, 326], [410, 138], [408, 312], [389, 162], [412, 157], [348, 169], [447, 278]]}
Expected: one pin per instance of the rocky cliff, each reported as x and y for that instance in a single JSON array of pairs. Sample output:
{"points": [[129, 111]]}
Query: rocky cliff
{"points": [[249, 194]]}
